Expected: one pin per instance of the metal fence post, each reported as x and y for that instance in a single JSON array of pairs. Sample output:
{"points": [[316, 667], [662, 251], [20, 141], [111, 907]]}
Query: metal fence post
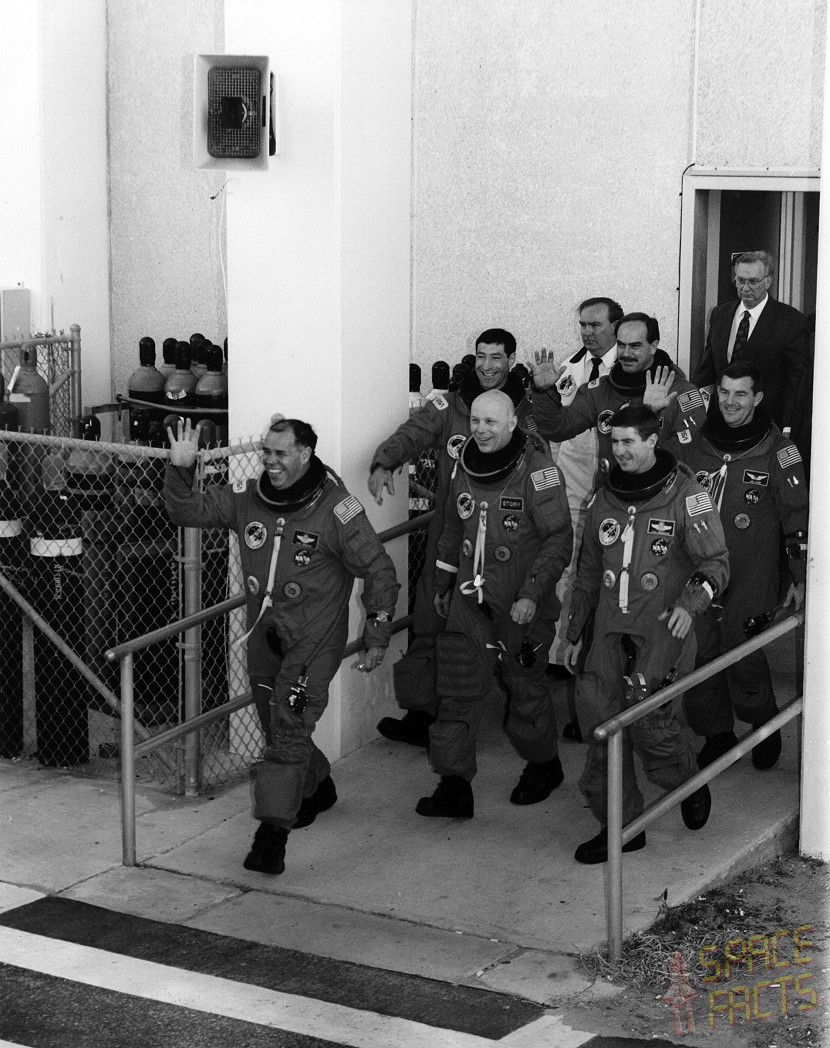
{"points": [[75, 395], [615, 761], [127, 763], [192, 657]]}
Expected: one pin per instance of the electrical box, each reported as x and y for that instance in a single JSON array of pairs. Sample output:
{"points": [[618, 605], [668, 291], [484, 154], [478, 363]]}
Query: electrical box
{"points": [[234, 112], [15, 314]]}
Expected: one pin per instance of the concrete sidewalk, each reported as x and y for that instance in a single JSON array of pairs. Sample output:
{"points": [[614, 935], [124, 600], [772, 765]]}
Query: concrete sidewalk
{"points": [[495, 902]]}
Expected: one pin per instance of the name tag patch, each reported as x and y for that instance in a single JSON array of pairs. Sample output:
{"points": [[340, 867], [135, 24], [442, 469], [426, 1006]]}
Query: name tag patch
{"points": [[511, 503], [752, 476]]}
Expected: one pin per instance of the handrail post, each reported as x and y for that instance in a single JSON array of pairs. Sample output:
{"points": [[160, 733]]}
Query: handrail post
{"points": [[127, 763], [75, 408], [192, 648], [614, 871]]}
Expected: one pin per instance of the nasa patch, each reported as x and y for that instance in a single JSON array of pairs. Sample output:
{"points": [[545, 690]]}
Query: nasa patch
{"points": [[302, 557], [703, 478], [660, 547], [566, 384], [239, 485], [753, 476], [440, 402], [752, 496], [742, 521], [510, 522], [604, 421], [609, 531], [465, 504], [255, 534], [455, 444], [658, 526], [684, 436]]}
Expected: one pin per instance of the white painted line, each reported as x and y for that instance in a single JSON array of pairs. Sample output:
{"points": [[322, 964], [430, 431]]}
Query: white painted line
{"points": [[216, 996], [549, 1030]]}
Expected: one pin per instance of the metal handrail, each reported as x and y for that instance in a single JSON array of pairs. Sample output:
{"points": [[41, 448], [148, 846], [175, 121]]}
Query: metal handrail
{"points": [[611, 731]]}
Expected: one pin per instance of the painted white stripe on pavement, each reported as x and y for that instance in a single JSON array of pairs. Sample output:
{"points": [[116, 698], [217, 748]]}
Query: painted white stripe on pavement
{"points": [[550, 1030], [217, 996]]}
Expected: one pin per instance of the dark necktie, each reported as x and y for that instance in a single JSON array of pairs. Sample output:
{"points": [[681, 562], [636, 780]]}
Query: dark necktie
{"points": [[594, 369], [741, 336]]}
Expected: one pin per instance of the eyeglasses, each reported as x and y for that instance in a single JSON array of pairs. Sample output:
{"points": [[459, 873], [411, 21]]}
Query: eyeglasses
{"points": [[752, 282]]}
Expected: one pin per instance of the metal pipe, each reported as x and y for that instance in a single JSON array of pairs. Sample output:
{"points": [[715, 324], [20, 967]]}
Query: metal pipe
{"points": [[127, 764], [192, 654], [408, 526], [173, 629], [75, 389], [614, 824], [660, 698]]}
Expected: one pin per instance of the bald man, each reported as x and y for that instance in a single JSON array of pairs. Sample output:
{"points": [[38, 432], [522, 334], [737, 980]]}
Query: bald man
{"points": [[506, 540]]}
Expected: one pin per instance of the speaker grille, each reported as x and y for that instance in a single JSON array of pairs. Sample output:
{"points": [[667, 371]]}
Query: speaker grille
{"points": [[234, 82]]}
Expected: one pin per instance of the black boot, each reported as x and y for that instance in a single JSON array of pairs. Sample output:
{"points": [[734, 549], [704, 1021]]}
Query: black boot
{"points": [[321, 800], [714, 747], [596, 849], [453, 799], [695, 809], [537, 782], [267, 854], [413, 728], [765, 755]]}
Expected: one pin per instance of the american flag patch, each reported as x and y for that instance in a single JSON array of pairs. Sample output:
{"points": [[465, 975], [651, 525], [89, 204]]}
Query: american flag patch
{"points": [[347, 510], [697, 504], [530, 425], [689, 401], [545, 478], [788, 456]]}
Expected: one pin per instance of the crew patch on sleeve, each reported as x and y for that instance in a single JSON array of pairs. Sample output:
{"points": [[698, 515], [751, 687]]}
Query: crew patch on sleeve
{"points": [[689, 401], [788, 456], [697, 504], [440, 401], [545, 478], [348, 509], [239, 485]]}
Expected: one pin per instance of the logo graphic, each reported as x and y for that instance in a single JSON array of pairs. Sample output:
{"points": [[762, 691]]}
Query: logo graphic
{"points": [[455, 444], [465, 504], [306, 539], [604, 421], [752, 476], [752, 496], [660, 547], [609, 531], [658, 526], [302, 557], [255, 534], [510, 523]]}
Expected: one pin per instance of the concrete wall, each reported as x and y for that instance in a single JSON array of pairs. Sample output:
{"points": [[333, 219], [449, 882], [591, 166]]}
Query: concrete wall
{"points": [[166, 233]]}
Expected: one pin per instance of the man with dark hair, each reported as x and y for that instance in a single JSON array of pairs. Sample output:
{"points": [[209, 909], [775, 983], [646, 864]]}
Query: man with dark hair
{"points": [[302, 541], [653, 556], [762, 331], [506, 539], [755, 478], [442, 423], [577, 457], [642, 374]]}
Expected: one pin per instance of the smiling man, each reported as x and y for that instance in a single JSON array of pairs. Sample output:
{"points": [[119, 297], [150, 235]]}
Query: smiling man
{"points": [[506, 538], [443, 423], [761, 331], [652, 558], [755, 478], [303, 539], [642, 374]]}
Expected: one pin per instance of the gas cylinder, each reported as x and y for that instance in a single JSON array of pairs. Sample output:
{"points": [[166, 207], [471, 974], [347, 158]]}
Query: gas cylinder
{"points": [[198, 347], [30, 394], [9, 451], [54, 585], [88, 468], [179, 387], [416, 399], [12, 556], [212, 392], [440, 379], [147, 382], [168, 354], [225, 355]]}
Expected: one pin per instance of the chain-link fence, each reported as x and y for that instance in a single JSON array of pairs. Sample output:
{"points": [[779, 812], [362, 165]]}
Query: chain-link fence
{"points": [[85, 540], [43, 377]]}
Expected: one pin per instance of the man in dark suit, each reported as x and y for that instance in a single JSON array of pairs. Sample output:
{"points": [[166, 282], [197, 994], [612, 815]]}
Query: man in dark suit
{"points": [[760, 331]]}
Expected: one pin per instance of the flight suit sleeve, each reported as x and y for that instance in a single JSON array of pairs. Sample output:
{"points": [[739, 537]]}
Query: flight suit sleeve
{"points": [[545, 492], [420, 431], [557, 422], [789, 490], [587, 577], [683, 419], [188, 508], [362, 553], [705, 544]]}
